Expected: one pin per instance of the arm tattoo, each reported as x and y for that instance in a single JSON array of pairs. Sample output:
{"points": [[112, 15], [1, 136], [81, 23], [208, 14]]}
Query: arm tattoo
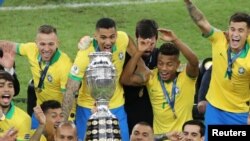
{"points": [[69, 97], [160, 137], [195, 13]]}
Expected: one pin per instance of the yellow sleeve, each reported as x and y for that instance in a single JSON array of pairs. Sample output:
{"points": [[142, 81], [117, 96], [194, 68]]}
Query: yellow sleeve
{"points": [[80, 64], [26, 48]]}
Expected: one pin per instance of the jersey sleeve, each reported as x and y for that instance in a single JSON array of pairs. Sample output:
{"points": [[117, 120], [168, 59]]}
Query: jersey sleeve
{"points": [[80, 65]]}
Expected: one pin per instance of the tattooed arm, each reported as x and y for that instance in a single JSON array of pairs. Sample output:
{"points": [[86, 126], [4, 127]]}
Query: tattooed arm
{"points": [[139, 76], [140, 68], [69, 97], [198, 17]]}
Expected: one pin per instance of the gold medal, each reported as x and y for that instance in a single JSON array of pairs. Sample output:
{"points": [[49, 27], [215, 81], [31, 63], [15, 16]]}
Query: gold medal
{"points": [[140, 93]]}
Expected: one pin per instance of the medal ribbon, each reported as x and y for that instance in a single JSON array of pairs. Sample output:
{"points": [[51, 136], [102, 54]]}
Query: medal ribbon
{"points": [[171, 101], [43, 72], [230, 61]]}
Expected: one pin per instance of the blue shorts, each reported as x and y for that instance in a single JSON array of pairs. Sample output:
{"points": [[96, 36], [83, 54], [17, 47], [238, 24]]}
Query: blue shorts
{"points": [[215, 116], [83, 114], [34, 122]]}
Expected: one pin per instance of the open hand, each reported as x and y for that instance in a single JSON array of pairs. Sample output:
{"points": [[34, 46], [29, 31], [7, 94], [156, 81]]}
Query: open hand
{"points": [[167, 35], [144, 44], [84, 42], [10, 135], [8, 58], [39, 115]]}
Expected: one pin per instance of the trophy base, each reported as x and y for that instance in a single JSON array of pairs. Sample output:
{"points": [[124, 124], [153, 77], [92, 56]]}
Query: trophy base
{"points": [[103, 129]]}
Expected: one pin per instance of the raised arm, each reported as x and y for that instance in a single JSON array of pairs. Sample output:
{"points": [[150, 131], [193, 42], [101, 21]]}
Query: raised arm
{"points": [[198, 17], [42, 121], [73, 86], [69, 97], [136, 73], [131, 49], [192, 68]]}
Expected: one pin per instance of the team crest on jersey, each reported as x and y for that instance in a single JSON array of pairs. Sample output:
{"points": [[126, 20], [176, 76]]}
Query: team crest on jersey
{"points": [[50, 78], [121, 55], [177, 90], [74, 70], [241, 70]]}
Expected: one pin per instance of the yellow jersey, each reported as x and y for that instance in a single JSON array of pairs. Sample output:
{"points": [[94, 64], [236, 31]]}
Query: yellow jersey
{"points": [[18, 119], [164, 120], [56, 77], [81, 63]]}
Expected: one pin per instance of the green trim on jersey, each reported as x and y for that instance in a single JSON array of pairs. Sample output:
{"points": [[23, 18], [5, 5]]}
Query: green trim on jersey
{"points": [[228, 95], [63, 90], [81, 63], [18, 48], [10, 113], [73, 77], [55, 57], [211, 32], [56, 77], [164, 120], [245, 51]]}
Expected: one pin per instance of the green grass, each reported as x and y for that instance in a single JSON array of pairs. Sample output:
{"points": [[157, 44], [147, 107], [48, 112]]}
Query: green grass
{"points": [[73, 23]]}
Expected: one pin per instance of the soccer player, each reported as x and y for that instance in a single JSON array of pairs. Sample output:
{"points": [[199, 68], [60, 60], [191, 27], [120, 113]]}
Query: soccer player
{"points": [[229, 92], [106, 39], [66, 131], [193, 130], [142, 131], [49, 66], [13, 116], [49, 115], [137, 103], [171, 93]]}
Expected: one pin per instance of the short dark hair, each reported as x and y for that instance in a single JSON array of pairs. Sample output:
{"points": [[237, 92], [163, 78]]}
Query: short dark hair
{"points": [[105, 23], [196, 122], [144, 124], [6, 76], [47, 29], [240, 17], [169, 49], [146, 28], [50, 104]]}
